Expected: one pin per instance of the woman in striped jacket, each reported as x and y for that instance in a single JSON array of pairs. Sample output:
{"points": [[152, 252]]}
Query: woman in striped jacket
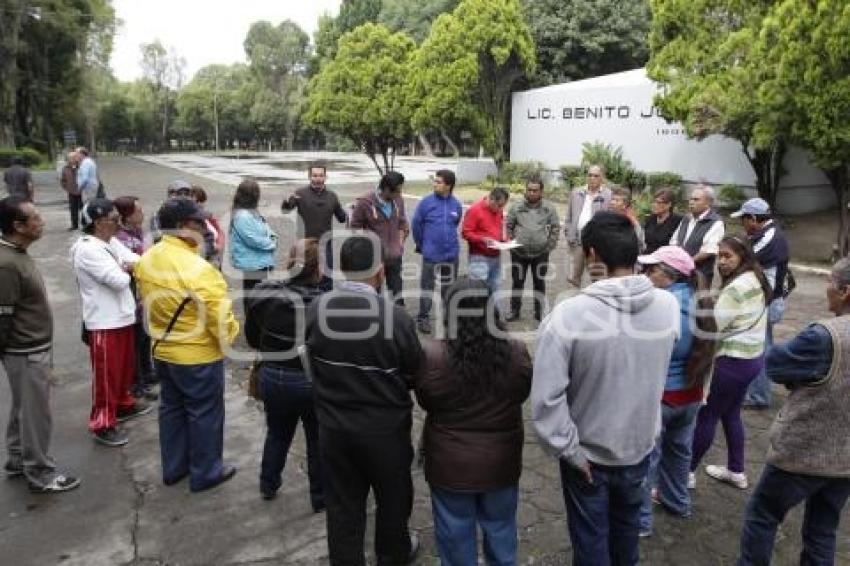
{"points": [[741, 316]]}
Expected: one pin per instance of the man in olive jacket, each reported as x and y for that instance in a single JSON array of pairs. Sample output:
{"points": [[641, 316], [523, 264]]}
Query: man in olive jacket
{"points": [[535, 226]]}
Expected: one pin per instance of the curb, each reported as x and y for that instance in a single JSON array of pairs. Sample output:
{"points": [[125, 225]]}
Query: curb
{"points": [[811, 270]]}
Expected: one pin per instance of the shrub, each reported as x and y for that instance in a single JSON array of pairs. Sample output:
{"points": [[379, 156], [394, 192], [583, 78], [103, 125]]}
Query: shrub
{"points": [[665, 179], [516, 172], [572, 176], [29, 156], [642, 205], [732, 196], [635, 180], [610, 158]]}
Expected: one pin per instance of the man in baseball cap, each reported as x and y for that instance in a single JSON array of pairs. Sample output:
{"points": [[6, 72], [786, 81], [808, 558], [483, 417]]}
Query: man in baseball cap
{"points": [[179, 188], [771, 249], [191, 322]]}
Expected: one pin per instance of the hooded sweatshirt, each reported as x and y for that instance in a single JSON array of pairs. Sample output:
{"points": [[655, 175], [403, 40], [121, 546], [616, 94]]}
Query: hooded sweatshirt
{"points": [[599, 372]]}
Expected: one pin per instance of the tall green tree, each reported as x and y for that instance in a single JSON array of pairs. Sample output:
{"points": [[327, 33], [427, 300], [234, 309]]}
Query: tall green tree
{"points": [[806, 97], [164, 71], [278, 57], [45, 49], [414, 17], [466, 69], [703, 56], [587, 38], [360, 93], [352, 14]]}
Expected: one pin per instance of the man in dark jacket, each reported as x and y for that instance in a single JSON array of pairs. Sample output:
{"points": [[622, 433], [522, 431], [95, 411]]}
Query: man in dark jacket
{"points": [[68, 180], [533, 223], [771, 250], [808, 459], [364, 352], [434, 230], [26, 338], [382, 212], [317, 207]]}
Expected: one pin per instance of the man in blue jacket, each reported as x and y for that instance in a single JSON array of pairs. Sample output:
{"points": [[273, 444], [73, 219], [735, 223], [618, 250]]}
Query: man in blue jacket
{"points": [[435, 233]]}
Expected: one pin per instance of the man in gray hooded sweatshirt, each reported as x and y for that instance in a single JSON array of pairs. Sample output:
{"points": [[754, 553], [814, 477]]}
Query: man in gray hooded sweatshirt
{"points": [[599, 374]]}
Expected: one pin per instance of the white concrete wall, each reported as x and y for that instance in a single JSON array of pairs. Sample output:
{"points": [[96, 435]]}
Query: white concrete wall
{"points": [[551, 124]]}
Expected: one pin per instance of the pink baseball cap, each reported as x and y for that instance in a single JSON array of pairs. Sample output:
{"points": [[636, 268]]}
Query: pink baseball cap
{"points": [[674, 256]]}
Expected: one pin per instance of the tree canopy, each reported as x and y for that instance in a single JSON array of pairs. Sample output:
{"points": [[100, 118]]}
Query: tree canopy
{"points": [[360, 93], [587, 38], [466, 69]]}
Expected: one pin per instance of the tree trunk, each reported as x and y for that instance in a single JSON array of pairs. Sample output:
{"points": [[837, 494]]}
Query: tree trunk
{"points": [[451, 144], [767, 165], [427, 150], [10, 26], [839, 178]]}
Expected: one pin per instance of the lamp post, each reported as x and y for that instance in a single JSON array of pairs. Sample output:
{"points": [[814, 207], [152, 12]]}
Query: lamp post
{"points": [[215, 116]]}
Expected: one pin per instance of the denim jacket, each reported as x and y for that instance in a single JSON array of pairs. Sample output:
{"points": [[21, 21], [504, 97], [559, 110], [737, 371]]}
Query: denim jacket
{"points": [[252, 241]]}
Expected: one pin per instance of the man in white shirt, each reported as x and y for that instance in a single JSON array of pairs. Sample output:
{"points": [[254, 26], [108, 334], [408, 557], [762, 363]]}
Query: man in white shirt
{"points": [[584, 203], [103, 266], [700, 232]]}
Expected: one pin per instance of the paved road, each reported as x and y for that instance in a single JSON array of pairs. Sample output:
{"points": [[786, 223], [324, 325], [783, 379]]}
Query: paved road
{"points": [[122, 514]]}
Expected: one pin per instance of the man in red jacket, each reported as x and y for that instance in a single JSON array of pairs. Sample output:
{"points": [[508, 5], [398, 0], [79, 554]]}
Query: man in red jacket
{"points": [[483, 226]]}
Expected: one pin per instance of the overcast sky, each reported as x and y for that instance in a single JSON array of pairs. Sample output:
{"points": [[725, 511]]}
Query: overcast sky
{"points": [[202, 31]]}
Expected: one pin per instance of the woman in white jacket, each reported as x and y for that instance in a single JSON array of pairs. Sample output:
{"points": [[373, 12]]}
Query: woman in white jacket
{"points": [[103, 266]]}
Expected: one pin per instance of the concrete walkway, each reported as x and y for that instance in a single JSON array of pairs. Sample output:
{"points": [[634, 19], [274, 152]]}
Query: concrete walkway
{"points": [[122, 514]]}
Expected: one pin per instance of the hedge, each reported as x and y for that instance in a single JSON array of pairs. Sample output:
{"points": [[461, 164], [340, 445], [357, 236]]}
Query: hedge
{"points": [[29, 156]]}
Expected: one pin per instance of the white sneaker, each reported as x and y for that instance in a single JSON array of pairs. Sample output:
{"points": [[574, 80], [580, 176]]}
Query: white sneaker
{"points": [[692, 480], [720, 473]]}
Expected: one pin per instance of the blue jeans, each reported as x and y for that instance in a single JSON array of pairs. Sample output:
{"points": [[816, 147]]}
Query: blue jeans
{"points": [[776, 493], [288, 397], [604, 517], [455, 517], [486, 268], [670, 462], [191, 422], [758, 393]]}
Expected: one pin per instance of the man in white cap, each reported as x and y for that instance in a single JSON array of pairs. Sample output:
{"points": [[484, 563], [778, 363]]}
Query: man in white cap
{"points": [[771, 249]]}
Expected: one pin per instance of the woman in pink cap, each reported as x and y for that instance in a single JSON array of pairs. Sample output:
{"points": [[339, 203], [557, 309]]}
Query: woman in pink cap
{"points": [[672, 268]]}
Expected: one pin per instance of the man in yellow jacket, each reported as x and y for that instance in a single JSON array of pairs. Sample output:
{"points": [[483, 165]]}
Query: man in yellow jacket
{"points": [[190, 319]]}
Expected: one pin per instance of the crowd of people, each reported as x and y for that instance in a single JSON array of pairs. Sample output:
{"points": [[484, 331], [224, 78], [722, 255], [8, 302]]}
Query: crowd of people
{"points": [[338, 352]]}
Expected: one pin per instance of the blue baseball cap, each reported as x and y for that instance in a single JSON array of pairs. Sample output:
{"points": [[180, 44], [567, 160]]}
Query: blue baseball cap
{"points": [[754, 206]]}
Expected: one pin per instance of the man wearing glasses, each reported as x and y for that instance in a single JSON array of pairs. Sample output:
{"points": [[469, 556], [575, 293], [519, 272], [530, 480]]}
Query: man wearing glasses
{"points": [[584, 203]]}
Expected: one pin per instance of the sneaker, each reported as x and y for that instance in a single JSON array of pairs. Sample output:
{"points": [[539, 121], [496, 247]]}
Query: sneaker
{"points": [[721, 473], [692, 480], [424, 326], [138, 410], [57, 484], [13, 470], [111, 437], [645, 533]]}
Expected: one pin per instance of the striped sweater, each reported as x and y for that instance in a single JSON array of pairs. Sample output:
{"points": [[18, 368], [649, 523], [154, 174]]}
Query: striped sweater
{"points": [[741, 318]]}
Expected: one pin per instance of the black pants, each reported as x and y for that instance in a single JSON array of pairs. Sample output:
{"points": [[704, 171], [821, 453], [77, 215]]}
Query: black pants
{"points": [[145, 375], [251, 279], [443, 274], [539, 266], [75, 203], [392, 272], [354, 464]]}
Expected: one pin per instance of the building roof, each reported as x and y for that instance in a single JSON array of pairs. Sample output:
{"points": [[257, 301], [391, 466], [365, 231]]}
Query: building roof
{"points": [[635, 77]]}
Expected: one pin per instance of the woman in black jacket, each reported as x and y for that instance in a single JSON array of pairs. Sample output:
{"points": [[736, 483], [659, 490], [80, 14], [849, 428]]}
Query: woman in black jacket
{"points": [[472, 386], [274, 326]]}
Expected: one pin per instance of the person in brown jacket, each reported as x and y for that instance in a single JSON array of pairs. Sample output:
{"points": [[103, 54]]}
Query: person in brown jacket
{"points": [[472, 385], [68, 180], [382, 212]]}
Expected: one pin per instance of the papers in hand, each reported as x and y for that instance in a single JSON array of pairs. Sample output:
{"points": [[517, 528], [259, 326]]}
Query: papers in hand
{"points": [[504, 245]]}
